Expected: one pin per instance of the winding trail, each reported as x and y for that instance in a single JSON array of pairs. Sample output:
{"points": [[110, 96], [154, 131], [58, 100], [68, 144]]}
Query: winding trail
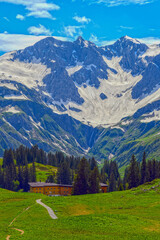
{"points": [[19, 230], [50, 211]]}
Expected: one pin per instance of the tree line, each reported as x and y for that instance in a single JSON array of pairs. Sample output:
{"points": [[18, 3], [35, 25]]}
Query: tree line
{"points": [[16, 177], [18, 169], [139, 173]]}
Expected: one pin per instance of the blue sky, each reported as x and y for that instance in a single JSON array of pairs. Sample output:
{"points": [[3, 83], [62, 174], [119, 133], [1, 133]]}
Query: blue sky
{"points": [[23, 22]]}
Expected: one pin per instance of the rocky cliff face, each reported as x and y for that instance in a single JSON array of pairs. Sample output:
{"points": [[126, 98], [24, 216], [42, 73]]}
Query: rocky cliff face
{"points": [[63, 95]]}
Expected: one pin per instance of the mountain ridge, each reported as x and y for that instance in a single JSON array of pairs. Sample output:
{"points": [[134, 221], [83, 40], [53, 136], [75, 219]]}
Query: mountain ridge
{"points": [[82, 91]]}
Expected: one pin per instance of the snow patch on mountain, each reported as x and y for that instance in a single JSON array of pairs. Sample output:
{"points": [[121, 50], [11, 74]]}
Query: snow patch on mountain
{"points": [[29, 74], [72, 69], [152, 51], [12, 110], [153, 116], [20, 97]]}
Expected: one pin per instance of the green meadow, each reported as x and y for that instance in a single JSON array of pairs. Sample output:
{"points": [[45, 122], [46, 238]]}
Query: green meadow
{"points": [[132, 214], [43, 171]]}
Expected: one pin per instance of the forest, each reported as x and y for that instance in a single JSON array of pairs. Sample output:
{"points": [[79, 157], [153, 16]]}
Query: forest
{"points": [[18, 169]]}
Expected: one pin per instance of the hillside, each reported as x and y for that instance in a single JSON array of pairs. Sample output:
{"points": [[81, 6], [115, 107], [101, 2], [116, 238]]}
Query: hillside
{"points": [[43, 171], [132, 214]]}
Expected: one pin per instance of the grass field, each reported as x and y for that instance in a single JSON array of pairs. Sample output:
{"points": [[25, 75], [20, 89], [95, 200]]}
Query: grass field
{"points": [[43, 171], [133, 214]]}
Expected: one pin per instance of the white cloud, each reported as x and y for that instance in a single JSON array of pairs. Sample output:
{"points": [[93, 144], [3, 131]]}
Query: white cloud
{"points": [[11, 42], [114, 3], [41, 10], [73, 31], [36, 8], [125, 27], [82, 19], [100, 41], [6, 19], [20, 17], [40, 14], [149, 40], [93, 38], [40, 30]]}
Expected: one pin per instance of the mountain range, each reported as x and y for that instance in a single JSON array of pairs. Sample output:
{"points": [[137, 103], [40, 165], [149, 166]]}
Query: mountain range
{"points": [[82, 99]]}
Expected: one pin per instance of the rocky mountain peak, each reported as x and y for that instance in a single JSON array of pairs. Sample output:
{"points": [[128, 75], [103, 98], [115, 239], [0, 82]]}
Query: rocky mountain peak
{"points": [[83, 43], [128, 44]]}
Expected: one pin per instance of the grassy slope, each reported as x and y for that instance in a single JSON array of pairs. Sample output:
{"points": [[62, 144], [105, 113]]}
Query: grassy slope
{"points": [[133, 214], [43, 171]]}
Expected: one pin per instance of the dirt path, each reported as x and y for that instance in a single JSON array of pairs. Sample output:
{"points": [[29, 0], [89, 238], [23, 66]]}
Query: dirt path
{"points": [[19, 230], [18, 216], [50, 211]]}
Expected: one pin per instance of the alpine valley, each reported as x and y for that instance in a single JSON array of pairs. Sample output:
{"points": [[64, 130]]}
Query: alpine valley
{"points": [[82, 99]]}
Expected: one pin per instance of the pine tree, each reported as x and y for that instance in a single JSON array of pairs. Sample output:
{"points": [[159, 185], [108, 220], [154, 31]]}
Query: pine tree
{"points": [[133, 173], [1, 178], [64, 174], [92, 163], [153, 169], [20, 177], [120, 184], [149, 171], [112, 182], [33, 172], [103, 176], [26, 177], [125, 179], [8, 158], [8, 184], [50, 179], [94, 181], [81, 185], [143, 169]]}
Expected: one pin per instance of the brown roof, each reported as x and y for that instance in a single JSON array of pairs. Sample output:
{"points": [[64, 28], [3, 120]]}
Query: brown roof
{"points": [[103, 185], [43, 184]]}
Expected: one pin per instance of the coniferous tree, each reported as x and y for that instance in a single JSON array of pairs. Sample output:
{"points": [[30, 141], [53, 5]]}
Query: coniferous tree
{"points": [[94, 181], [26, 177], [92, 163], [153, 169], [150, 171], [125, 179], [143, 169], [33, 172], [50, 179], [20, 177], [81, 185], [133, 173], [1, 178], [64, 174], [8, 181], [103, 176], [112, 182], [120, 184]]}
